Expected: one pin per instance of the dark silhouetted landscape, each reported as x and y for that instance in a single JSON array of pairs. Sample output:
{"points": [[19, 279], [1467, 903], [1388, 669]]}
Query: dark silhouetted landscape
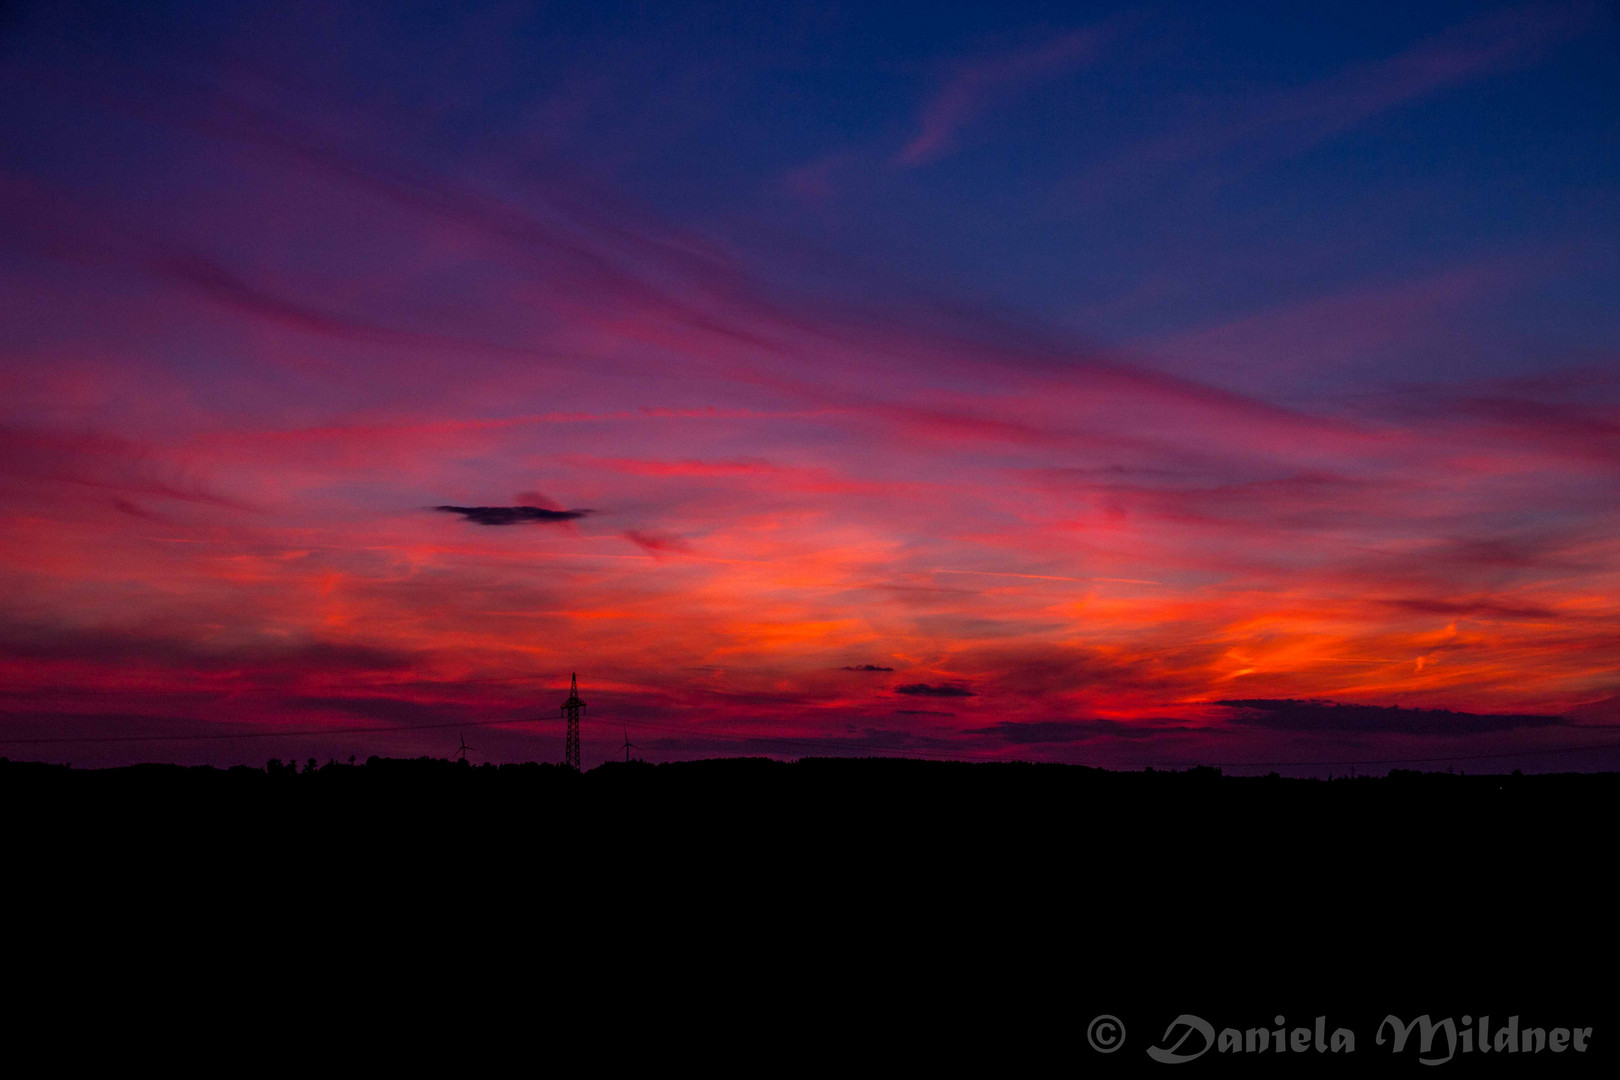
{"points": [[1041, 891]]}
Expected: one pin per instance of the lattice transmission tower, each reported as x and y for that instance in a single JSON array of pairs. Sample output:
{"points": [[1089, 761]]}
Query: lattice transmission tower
{"points": [[571, 709]]}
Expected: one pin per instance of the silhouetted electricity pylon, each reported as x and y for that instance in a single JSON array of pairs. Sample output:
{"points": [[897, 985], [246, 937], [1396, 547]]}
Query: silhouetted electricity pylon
{"points": [[628, 745], [571, 709]]}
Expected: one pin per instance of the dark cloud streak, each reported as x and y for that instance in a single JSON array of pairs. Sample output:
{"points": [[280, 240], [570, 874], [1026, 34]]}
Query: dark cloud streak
{"points": [[1050, 732], [512, 515], [1330, 716], [927, 690]]}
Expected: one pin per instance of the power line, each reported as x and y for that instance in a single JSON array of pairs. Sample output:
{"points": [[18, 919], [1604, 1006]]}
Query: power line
{"points": [[231, 735], [814, 742], [1223, 764], [817, 743]]}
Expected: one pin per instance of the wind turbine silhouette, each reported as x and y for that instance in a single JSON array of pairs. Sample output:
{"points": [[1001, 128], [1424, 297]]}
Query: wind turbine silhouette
{"points": [[462, 753], [628, 745]]}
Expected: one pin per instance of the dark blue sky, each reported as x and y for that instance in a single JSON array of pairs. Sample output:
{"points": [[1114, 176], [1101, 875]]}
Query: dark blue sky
{"points": [[1125, 173]]}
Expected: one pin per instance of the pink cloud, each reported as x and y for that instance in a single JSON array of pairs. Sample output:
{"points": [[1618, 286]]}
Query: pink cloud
{"points": [[656, 543]]}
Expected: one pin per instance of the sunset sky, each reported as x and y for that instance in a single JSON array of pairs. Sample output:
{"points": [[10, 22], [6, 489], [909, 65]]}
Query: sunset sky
{"points": [[981, 381]]}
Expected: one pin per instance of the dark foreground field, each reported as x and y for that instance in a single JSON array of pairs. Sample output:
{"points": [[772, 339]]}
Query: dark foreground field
{"points": [[749, 913]]}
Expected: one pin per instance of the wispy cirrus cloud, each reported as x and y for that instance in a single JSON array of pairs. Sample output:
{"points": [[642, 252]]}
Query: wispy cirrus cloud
{"points": [[1331, 338], [973, 86], [657, 544], [809, 479], [112, 464], [1290, 121]]}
